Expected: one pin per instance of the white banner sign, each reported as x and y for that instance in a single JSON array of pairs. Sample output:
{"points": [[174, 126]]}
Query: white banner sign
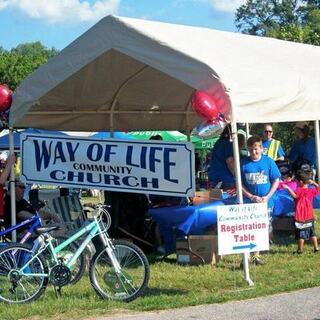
{"points": [[243, 228], [155, 167]]}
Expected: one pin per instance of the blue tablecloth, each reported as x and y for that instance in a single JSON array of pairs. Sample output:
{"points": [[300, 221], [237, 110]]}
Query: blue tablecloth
{"points": [[195, 219], [187, 219]]}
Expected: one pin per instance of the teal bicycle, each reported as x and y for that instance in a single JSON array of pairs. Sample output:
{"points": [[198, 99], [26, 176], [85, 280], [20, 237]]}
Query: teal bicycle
{"points": [[119, 271]]}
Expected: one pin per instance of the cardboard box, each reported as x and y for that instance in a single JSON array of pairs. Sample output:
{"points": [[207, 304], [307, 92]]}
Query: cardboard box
{"points": [[216, 194], [189, 249], [206, 196], [201, 197], [283, 224]]}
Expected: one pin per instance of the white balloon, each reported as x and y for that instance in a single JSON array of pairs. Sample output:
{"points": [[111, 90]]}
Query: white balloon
{"points": [[209, 129]]}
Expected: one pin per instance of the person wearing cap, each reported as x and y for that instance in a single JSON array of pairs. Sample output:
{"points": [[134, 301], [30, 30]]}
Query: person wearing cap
{"points": [[24, 209], [271, 146], [304, 148]]}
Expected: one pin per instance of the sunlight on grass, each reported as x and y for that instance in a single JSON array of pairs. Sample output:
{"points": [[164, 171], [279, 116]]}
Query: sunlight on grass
{"points": [[172, 285]]}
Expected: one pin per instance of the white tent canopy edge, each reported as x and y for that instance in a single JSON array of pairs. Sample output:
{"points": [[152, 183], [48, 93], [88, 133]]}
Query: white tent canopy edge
{"points": [[130, 74]]}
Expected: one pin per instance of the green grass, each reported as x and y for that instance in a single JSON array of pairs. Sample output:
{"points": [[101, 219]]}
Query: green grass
{"points": [[173, 286]]}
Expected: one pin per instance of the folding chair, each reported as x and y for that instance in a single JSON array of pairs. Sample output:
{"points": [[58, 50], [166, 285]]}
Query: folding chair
{"points": [[70, 210], [67, 207], [37, 197]]}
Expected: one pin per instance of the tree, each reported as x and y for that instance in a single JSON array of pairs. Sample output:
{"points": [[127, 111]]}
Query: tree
{"points": [[257, 17], [294, 20], [22, 61], [34, 49]]}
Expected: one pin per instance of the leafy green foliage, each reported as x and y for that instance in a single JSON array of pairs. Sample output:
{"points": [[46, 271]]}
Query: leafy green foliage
{"points": [[291, 20], [17, 64]]}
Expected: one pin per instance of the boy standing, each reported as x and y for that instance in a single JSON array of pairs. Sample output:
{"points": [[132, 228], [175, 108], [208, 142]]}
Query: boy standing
{"points": [[260, 178]]}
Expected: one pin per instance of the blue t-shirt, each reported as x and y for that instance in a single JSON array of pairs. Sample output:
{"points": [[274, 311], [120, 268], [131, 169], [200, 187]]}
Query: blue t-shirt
{"points": [[258, 176], [304, 150], [219, 171], [266, 145]]}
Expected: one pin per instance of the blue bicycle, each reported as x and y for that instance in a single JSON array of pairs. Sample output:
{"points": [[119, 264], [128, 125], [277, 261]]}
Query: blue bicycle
{"points": [[34, 222], [34, 225]]}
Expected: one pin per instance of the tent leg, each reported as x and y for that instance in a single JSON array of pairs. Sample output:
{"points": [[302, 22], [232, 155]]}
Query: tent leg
{"points": [[317, 138], [237, 173], [247, 130], [12, 189]]}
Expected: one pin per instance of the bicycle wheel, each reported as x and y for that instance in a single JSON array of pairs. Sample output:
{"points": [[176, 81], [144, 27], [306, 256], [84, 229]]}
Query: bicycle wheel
{"points": [[132, 279], [79, 266], [17, 287]]}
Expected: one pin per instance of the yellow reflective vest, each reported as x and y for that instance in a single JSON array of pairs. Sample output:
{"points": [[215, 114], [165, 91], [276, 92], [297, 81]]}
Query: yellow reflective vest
{"points": [[273, 149]]}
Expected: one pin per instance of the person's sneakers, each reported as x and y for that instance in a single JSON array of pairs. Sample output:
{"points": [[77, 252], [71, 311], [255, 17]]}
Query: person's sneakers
{"points": [[298, 252], [257, 261], [315, 250]]}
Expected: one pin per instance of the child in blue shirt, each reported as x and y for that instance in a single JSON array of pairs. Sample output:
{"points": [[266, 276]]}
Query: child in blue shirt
{"points": [[260, 177]]}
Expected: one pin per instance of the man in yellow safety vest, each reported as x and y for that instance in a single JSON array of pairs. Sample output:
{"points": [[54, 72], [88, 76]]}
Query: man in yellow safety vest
{"points": [[271, 147]]}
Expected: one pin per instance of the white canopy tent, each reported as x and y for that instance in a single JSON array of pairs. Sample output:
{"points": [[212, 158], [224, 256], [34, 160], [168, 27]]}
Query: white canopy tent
{"points": [[128, 74]]}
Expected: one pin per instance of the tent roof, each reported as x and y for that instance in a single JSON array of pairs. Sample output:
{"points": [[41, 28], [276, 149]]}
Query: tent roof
{"points": [[128, 74]]}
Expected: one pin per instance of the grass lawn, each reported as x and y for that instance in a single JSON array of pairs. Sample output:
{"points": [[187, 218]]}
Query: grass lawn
{"points": [[173, 286]]}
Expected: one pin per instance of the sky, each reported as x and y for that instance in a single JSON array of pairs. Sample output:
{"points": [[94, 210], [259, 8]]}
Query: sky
{"points": [[56, 23]]}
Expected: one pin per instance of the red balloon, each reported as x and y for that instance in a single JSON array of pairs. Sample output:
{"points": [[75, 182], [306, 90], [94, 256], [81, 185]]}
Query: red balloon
{"points": [[204, 104], [5, 98]]}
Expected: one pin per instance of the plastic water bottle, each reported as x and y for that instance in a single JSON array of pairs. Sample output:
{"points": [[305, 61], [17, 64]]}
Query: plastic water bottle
{"points": [[38, 244]]}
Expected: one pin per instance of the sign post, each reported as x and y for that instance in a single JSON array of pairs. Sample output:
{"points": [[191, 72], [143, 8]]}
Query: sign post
{"points": [[243, 228]]}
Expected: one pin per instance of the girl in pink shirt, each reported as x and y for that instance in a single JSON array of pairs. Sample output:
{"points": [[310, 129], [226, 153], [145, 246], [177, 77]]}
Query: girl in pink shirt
{"points": [[304, 216]]}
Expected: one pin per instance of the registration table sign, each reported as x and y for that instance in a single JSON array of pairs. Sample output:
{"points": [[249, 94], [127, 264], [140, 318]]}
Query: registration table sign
{"points": [[243, 228]]}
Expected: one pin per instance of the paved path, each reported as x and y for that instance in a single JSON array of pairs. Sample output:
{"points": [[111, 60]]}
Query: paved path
{"points": [[298, 305]]}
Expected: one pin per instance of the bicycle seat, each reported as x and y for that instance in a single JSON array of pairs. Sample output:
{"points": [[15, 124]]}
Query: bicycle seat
{"points": [[46, 229]]}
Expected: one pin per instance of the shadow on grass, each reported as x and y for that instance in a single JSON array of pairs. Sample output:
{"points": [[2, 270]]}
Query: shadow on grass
{"points": [[171, 259], [163, 291], [283, 238]]}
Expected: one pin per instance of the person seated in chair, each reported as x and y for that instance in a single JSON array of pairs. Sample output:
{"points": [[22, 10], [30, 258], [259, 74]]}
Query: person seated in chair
{"points": [[6, 165], [24, 210]]}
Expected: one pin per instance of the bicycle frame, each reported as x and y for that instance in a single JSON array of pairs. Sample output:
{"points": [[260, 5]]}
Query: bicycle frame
{"points": [[94, 228], [34, 223]]}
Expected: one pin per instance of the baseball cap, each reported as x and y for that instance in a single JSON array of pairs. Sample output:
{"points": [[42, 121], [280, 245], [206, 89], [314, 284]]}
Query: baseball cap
{"points": [[302, 125]]}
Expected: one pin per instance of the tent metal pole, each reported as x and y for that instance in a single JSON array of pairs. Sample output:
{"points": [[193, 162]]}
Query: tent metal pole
{"points": [[188, 130], [12, 188], [247, 130], [47, 113], [317, 138], [236, 156], [115, 97]]}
